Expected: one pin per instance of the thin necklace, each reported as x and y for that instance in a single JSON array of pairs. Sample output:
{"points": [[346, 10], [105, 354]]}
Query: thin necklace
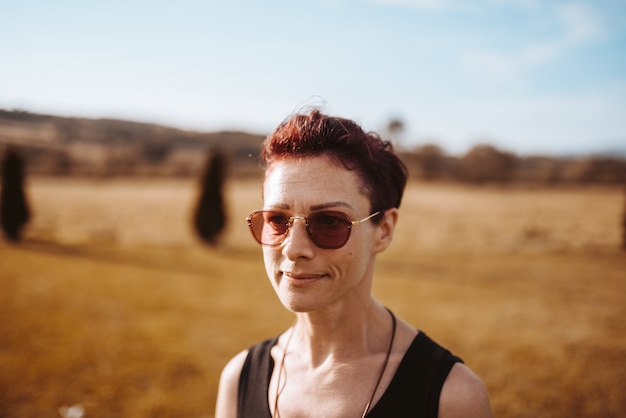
{"points": [[276, 414], [380, 376]]}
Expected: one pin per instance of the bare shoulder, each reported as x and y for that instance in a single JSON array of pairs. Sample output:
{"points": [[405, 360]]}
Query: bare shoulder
{"points": [[226, 404], [464, 395]]}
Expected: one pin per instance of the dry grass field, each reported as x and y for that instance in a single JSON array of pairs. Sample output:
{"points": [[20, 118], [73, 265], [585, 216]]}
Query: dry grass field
{"points": [[110, 302]]}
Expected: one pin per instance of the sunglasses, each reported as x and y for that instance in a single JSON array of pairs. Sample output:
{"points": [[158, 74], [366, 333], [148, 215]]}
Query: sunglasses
{"points": [[328, 229]]}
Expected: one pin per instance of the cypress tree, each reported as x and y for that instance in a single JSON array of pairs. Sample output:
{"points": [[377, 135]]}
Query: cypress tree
{"points": [[210, 214], [14, 212]]}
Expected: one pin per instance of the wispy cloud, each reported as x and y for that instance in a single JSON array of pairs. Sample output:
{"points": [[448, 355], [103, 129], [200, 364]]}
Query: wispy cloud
{"points": [[432, 5], [576, 24], [458, 5], [579, 24]]}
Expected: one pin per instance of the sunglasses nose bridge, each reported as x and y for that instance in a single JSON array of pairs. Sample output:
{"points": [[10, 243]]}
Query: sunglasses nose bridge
{"points": [[289, 234], [291, 221], [293, 218]]}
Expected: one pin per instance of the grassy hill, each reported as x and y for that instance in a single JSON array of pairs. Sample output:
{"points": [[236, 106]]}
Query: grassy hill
{"points": [[62, 145], [55, 145]]}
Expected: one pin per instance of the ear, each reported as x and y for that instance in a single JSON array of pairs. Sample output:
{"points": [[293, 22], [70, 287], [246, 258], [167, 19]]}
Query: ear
{"points": [[385, 230]]}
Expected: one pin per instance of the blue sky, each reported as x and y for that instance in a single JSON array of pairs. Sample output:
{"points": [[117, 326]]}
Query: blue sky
{"points": [[528, 76]]}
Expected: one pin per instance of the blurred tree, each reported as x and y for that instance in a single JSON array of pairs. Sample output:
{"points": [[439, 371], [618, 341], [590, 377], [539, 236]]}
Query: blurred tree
{"points": [[395, 125], [156, 152], [210, 215], [431, 159], [14, 212], [395, 129], [484, 163], [596, 170]]}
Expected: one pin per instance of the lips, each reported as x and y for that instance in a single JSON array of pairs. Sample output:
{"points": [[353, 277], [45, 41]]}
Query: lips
{"points": [[302, 278]]}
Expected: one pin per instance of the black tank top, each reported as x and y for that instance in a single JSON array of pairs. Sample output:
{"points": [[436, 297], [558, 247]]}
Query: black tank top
{"points": [[413, 392]]}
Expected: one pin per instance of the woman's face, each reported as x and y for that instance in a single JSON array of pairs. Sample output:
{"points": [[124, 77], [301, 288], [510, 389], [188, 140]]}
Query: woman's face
{"points": [[305, 277]]}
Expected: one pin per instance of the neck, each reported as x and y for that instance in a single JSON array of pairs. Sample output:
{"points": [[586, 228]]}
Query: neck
{"points": [[337, 337]]}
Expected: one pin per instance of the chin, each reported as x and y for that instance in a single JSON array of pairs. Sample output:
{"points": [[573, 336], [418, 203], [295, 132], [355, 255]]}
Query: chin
{"points": [[300, 304]]}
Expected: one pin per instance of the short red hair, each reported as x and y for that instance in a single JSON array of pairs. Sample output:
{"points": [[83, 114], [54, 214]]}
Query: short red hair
{"points": [[382, 174]]}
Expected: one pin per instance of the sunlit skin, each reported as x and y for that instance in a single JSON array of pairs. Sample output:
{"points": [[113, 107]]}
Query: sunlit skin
{"points": [[305, 277], [341, 334]]}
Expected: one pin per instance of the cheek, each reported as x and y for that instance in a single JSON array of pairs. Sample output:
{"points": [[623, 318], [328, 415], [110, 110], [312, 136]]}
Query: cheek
{"points": [[268, 258], [271, 259]]}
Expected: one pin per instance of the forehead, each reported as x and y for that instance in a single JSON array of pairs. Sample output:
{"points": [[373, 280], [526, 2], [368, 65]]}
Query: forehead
{"points": [[311, 181]]}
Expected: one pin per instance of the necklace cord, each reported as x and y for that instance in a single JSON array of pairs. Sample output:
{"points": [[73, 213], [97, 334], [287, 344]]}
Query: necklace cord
{"points": [[380, 376], [280, 372]]}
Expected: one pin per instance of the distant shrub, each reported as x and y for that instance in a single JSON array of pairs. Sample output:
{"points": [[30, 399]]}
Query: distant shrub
{"points": [[14, 212], [596, 170], [431, 159], [484, 163], [210, 214]]}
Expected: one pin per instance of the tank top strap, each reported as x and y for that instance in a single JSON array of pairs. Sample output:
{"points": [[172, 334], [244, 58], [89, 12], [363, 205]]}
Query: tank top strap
{"points": [[254, 381], [415, 388]]}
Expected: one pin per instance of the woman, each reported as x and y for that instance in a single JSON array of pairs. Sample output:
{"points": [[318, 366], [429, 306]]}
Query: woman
{"points": [[331, 196]]}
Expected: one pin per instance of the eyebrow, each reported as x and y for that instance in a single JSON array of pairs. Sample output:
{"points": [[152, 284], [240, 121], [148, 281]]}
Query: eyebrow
{"points": [[331, 205], [320, 206]]}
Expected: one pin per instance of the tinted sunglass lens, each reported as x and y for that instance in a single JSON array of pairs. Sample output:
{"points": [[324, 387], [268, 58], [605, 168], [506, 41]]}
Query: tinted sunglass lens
{"points": [[269, 228], [329, 230]]}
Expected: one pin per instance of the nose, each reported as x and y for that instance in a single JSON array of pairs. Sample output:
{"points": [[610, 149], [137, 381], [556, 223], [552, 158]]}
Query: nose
{"points": [[297, 243]]}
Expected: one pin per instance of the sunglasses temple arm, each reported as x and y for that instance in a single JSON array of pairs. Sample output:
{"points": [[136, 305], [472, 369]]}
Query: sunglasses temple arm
{"points": [[367, 218]]}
